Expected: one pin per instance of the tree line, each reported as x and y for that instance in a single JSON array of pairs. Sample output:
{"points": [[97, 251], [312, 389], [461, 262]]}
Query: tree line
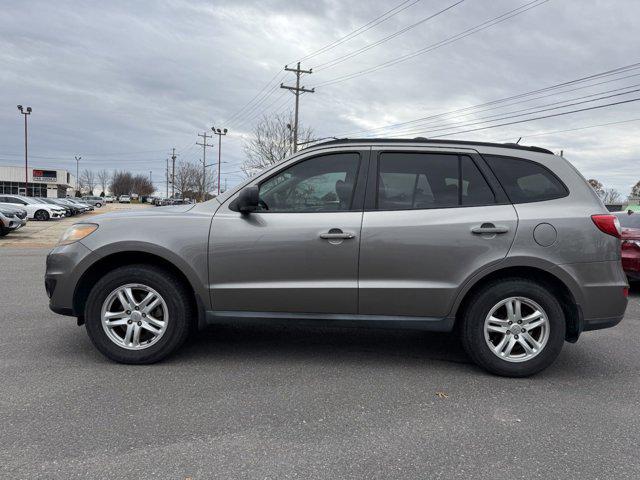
{"points": [[116, 182], [611, 195]]}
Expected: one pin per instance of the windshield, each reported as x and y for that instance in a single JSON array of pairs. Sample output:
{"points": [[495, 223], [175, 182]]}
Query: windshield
{"points": [[629, 220]]}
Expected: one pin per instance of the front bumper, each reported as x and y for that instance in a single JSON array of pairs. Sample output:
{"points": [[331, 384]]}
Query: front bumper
{"points": [[64, 268]]}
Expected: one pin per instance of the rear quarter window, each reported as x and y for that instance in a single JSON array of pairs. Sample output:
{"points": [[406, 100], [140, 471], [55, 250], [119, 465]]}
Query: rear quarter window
{"points": [[524, 180]]}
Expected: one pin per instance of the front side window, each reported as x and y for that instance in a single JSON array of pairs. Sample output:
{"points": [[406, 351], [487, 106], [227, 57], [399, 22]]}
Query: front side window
{"points": [[524, 180], [320, 184], [408, 181]]}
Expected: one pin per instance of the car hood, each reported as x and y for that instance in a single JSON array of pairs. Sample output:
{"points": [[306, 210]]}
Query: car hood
{"points": [[171, 210]]}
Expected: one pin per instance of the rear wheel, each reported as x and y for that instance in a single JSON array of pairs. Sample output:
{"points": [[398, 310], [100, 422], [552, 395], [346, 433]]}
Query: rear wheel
{"points": [[138, 314], [513, 327], [41, 215]]}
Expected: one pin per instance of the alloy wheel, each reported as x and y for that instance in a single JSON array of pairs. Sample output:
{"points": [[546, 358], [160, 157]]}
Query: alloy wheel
{"points": [[134, 316], [516, 329]]}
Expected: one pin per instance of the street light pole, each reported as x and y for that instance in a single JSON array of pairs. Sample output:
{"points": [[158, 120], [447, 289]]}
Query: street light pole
{"points": [[25, 112], [77, 174], [220, 133]]}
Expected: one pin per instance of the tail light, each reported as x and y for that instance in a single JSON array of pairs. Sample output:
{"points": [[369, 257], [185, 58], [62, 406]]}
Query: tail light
{"points": [[608, 224]]}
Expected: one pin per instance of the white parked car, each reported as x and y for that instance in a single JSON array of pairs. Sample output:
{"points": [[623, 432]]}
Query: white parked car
{"points": [[12, 217], [124, 199], [108, 199], [35, 209]]}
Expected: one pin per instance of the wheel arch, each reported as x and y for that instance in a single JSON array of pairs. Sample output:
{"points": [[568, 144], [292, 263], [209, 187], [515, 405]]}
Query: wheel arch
{"points": [[562, 287], [113, 260]]}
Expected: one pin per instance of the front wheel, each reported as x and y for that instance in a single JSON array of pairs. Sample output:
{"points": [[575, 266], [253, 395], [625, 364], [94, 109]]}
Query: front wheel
{"points": [[41, 215], [138, 314], [513, 327]]}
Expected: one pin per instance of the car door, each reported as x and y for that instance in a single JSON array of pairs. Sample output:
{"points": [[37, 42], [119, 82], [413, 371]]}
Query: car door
{"points": [[299, 252], [432, 218]]}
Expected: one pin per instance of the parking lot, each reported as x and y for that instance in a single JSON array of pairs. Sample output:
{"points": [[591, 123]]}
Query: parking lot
{"points": [[304, 402], [46, 234]]}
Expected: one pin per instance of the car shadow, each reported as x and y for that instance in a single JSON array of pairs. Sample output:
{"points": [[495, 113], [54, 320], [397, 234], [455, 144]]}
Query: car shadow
{"points": [[280, 342]]}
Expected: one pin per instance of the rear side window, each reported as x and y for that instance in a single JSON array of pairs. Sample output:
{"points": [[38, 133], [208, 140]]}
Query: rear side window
{"points": [[408, 181], [524, 180]]}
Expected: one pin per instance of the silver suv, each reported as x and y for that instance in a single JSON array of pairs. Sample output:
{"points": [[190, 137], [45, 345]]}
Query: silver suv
{"points": [[506, 244]]}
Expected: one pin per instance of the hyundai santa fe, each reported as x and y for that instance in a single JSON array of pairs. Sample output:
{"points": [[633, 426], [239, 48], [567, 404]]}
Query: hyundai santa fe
{"points": [[505, 244]]}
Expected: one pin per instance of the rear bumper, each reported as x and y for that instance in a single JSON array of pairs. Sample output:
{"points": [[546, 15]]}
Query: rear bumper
{"points": [[599, 291], [600, 323]]}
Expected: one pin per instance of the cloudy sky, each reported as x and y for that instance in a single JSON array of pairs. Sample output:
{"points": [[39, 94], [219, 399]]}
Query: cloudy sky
{"points": [[121, 82]]}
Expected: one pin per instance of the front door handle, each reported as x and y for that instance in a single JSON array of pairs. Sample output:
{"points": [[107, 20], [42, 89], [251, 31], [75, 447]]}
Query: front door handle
{"points": [[337, 234], [489, 228]]}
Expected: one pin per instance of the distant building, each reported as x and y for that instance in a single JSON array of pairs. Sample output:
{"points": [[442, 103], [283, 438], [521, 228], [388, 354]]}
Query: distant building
{"points": [[41, 182]]}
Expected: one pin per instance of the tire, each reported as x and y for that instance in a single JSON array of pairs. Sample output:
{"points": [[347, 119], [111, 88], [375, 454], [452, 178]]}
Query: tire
{"points": [[476, 336], [3, 230], [178, 306], [98, 205], [41, 215]]}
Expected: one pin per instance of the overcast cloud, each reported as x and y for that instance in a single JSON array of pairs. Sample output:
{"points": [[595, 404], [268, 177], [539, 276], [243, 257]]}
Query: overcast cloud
{"points": [[122, 82]]}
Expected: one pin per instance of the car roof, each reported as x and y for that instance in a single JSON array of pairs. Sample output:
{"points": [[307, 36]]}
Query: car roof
{"points": [[427, 141]]}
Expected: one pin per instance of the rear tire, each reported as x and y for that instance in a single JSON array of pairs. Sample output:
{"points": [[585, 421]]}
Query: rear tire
{"points": [[487, 333], [175, 300], [41, 215]]}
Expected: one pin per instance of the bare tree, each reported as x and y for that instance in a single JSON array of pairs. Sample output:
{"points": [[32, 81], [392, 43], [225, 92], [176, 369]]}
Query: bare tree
{"points": [[89, 180], [186, 178], [121, 183], [104, 176], [597, 186], [610, 195], [271, 142], [635, 190]]}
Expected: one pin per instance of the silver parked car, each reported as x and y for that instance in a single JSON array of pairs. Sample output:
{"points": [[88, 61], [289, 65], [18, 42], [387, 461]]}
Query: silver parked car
{"points": [[506, 244]]}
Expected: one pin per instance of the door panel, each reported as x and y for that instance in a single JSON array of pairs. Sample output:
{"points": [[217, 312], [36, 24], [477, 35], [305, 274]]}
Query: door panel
{"points": [[299, 252], [432, 219], [277, 262], [412, 262]]}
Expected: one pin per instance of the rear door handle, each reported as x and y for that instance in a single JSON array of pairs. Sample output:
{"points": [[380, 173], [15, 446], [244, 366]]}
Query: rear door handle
{"points": [[337, 234], [489, 228]]}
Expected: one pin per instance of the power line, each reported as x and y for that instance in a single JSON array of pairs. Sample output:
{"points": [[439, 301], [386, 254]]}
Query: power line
{"points": [[493, 103], [267, 85], [576, 129], [540, 118], [518, 113], [476, 29], [342, 58], [265, 92], [360, 30]]}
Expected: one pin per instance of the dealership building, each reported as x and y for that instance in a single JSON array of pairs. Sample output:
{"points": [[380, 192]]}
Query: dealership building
{"points": [[41, 182]]}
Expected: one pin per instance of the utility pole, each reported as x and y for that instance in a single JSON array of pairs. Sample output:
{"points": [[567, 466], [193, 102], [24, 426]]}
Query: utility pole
{"points": [[297, 90], [173, 172], [25, 112], [220, 133], [204, 160], [167, 177], [77, 174]]}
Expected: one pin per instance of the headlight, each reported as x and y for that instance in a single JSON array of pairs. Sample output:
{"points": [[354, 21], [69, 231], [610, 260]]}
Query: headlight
{"points": [[77, 232]]}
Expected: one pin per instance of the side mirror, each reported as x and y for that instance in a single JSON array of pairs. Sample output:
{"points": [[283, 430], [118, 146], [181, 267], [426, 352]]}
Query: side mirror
{"points": [[247, 200]]}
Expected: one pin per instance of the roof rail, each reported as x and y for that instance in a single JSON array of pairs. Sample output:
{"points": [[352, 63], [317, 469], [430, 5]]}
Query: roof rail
{"points": [[428, 141]]}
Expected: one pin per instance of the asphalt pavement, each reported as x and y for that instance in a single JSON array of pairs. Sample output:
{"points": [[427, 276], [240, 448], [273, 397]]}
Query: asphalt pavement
{"points": [[263, 402]]}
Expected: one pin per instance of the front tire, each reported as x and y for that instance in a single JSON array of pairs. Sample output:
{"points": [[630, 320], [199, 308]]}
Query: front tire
{"points": [[513, 327], [41, 215], [138, 314]]}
